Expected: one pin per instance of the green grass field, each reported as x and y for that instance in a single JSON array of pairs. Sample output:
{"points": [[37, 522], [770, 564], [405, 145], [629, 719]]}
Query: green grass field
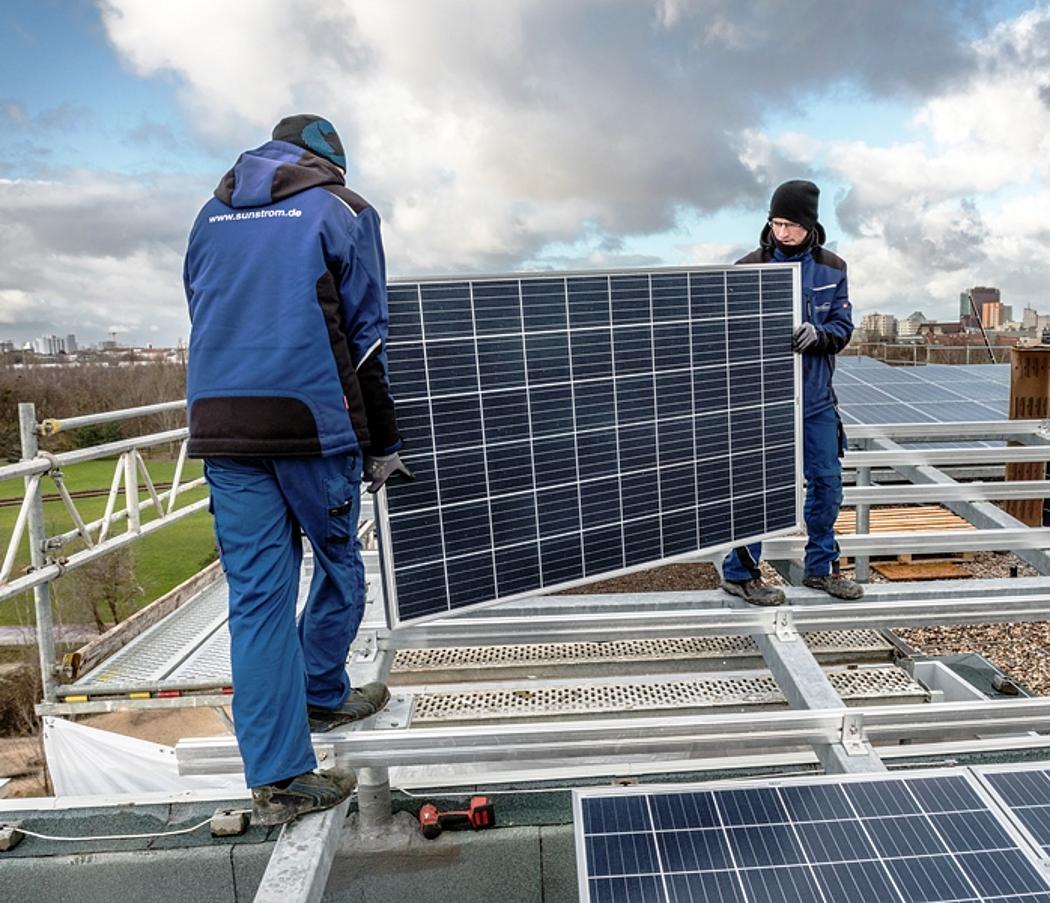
{"points": [[162, 560]]}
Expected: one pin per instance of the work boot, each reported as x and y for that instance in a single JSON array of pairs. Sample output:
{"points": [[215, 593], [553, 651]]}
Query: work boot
{"points": [[361, 703], [754, 591], [834, 585], [314, 791]]}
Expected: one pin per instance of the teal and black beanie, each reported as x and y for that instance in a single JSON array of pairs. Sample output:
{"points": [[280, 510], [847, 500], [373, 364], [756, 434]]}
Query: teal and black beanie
{"points": [[312, 133]]}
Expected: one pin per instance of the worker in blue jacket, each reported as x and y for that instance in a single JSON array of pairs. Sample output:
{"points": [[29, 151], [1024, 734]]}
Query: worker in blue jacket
{"points": [[793, 234], [289, 405]]}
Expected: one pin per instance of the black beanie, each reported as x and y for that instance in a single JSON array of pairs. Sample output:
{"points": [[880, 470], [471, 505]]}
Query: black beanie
{"points": [[796, 201], [312, 133]]}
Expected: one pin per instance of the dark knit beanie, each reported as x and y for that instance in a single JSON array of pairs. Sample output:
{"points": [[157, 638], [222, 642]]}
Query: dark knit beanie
{"points": [[312, 133], [796, 201]]}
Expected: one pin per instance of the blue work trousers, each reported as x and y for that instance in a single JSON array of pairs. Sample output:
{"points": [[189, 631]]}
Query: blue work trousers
{"points": [[260, 505], [821, 442]]}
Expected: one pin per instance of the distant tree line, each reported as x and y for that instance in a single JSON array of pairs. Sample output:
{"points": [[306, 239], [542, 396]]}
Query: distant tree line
{"points": [[61, 392]]}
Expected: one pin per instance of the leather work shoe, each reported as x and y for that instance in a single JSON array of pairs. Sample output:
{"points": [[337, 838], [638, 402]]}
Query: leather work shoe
{"points": [[834, 585], [311, 792], [361, 703], [754, 591]]}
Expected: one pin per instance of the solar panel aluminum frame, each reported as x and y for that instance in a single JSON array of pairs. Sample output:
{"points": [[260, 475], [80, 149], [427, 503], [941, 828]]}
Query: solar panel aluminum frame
{"points": [[382, 511], [991, 800]]}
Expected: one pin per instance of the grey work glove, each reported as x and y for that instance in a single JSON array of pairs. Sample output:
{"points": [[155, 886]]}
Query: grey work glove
{"points": [[379, 469], [805, 336]]}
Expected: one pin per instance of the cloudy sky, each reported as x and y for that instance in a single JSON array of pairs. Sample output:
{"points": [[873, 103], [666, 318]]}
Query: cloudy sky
{"points": [[529, 134]]}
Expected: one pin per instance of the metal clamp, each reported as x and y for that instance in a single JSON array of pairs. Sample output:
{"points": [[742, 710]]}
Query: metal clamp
{"points": [[367, 647], [55, 470], [853, 734], [784, 626]]}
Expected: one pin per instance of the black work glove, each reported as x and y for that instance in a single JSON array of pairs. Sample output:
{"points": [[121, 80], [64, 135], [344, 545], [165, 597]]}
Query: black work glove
{"points": [[805, 338], [379, 469]]}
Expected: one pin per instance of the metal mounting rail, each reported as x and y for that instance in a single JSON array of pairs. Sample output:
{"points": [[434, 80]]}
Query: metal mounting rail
{"points": [[854, 544], [687, 736], [685, 622], [938, 456], [298, 868], [976, 429], [663, 602], [896, 494]]}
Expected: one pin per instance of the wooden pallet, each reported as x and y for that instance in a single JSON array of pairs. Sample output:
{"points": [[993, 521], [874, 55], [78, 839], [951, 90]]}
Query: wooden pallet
{"points": [[907, 519], [922, 570]]}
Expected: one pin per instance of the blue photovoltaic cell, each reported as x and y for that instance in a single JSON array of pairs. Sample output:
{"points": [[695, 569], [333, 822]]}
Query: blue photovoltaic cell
{"points": [[924, 837], [567, 427]]}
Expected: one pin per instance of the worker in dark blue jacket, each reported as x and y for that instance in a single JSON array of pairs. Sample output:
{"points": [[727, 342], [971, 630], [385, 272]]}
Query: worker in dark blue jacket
{"points": [[793, 234], [288, 405]]}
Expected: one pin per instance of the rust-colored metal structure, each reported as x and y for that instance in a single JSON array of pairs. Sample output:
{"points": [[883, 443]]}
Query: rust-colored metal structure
{"points": [[1029, 400]]}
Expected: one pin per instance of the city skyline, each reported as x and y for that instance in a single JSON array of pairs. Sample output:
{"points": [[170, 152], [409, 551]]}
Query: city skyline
{"points": [[606, 134]]}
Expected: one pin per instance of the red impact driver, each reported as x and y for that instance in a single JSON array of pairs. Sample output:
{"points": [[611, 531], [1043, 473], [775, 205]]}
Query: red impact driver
{"points": [[481, 813]]}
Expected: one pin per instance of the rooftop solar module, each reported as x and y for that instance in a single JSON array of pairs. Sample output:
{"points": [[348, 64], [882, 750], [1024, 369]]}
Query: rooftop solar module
{"points": [[563, 427], [1025, 792], [932, 836]]}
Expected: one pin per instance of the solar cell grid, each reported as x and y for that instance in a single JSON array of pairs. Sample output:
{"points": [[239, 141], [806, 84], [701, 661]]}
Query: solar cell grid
{"points": [[567, 427], [1025, 792], [927, 837]]}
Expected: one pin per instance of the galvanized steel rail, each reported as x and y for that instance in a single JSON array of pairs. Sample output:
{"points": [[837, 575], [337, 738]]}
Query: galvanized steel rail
{"points": [[686, 736]]}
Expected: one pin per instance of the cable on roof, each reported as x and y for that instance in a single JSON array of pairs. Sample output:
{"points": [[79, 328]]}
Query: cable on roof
{"points": [[59, 837]]}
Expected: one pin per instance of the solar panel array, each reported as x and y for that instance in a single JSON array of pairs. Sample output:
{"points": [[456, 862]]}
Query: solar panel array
{"points": [[870, 391], [927, 837], [565, 427]]}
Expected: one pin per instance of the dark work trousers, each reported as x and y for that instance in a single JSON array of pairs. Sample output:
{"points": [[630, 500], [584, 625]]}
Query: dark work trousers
{"points": [[259, 505], [821, 442]]}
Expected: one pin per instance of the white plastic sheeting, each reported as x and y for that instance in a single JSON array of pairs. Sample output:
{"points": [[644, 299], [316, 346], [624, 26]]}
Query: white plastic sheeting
{"points": [[86, 761]]}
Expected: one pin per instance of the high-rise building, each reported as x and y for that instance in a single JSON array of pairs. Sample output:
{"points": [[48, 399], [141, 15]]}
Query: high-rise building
{"points": [[48, 344], [991, 314], [71, 344], [883, 326], [981, 295]]}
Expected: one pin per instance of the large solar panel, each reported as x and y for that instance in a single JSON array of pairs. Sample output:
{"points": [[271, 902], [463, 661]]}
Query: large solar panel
{"points": [[1025, 793], [919, 837], [567, 426]]}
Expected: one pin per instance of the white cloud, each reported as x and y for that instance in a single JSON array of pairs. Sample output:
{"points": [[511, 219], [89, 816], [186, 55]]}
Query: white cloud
{"points": [[95, 249], [966, 202], [489, 134], [484, 132], [16, 305]]}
